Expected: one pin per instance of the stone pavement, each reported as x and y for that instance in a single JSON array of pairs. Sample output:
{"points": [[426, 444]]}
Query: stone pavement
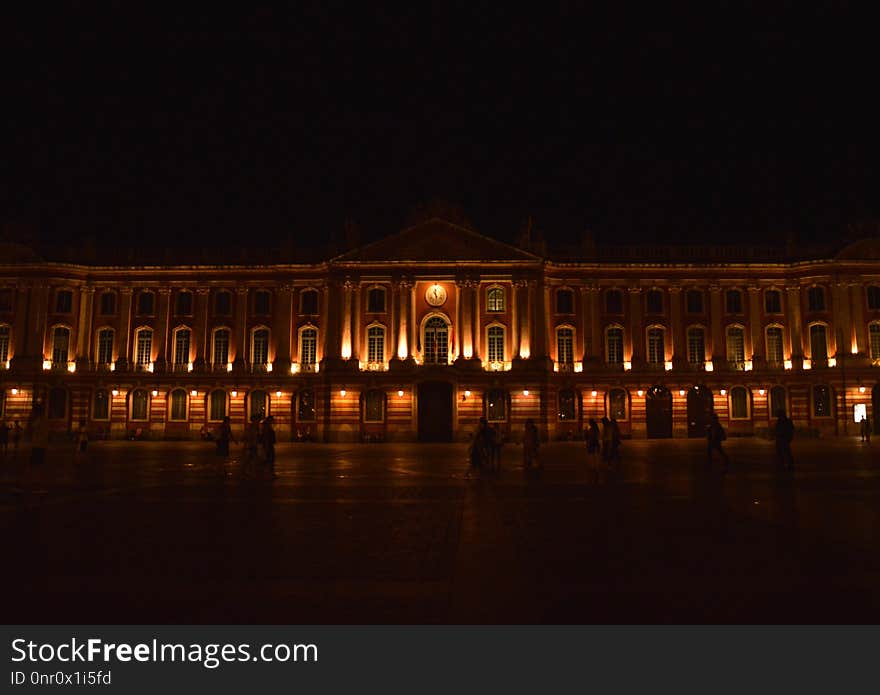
{"points": [[149, 532]]}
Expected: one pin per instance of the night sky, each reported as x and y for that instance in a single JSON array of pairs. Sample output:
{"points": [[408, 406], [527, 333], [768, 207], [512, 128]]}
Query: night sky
{"points": [[716, 127]]}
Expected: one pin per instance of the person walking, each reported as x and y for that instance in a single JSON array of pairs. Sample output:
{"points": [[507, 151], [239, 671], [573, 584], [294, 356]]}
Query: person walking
{"points": [[531, 442], [82, 439], [268, 440], [866, 429], [783, 433], [16, 437], [224, 436], [715, 434]]}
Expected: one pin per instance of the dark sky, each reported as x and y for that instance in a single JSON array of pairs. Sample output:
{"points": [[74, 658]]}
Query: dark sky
{"points": [[714, 126]]}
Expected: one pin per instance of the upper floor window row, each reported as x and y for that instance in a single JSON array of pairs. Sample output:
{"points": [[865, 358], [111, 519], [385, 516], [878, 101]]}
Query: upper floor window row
{"points": [[773, 302], [564, 302], [63, 302], [816, 299], [734, 302], [874, 297], [375, 301]]}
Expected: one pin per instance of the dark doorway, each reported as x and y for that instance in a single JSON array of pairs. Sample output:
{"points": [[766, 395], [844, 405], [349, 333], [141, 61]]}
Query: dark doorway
{"points": [[658, 412], [435, 411], [699, 410]]}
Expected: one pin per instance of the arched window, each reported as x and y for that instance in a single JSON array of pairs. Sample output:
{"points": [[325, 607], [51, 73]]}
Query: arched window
{"points": [[739, 403], [435, 344], [260, 346], [821, 401], [614, 302], [614, 345], [217, 405], [220, 349], [694, 300], [140, 405], [654, 302], [734, 302], [101, 405], [736, 347], [179, 405], [873, 297], [57, 403], [816, 299], [108, 303], [567, 405], [376, 345], [183, 305], [146, 303], [778, 401], [105, 346], [495, 299], [63, 301], [223, 303], [258, 404], [774, 345], [772, 302], [60, 343], [496, 405], [308, 347], [143, 351], [308, 302], [564, 302], [4, 344], [182, 337], [874, 340], [696, 345], [305, 409], [818, 343], [495, 343], [262, 302], [565, 345], [374, 406], [376, 300], [656, 345], [618, 404]]}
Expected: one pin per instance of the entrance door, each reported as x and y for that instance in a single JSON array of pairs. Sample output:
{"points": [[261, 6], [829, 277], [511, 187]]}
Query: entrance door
{"points": [[658, 411], [699, 411], [435, 411]]}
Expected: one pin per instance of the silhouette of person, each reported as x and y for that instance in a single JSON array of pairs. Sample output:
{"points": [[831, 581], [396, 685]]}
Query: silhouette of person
{"points": [[783, 433], [268, 439], [715, 434], [866, 429], [530, 444]]}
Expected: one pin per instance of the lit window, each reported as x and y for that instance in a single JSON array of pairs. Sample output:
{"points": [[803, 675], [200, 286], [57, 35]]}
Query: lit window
{"points": [[774, 345], [4, 344], [696, 345], [105, 346], [144, 347], [308, 345], [221, 347], [656, 346], [436, 350], [614, 345], [376, 344], [495, 300], [181, 346], [260, 347], [60, 343], [736, 351], [496, 343]]}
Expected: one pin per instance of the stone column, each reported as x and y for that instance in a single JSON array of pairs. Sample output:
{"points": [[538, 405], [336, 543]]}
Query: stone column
{"points": [[596, 339], [346, 351], [84, 331], [584, 329], [793, 299], [411, 334], [282, 327], [124, 358], [679, 346], [467, 325], [161, 332], [459, 321], [756, 334], [638, 338], [532, 331], [241, 328], [20, 330], [716, 336], [513, 351], [548, 330], [477, 317], [200, 330], [332, 302], [402, 348], [357, 336], [857, 297], [841, 317]]}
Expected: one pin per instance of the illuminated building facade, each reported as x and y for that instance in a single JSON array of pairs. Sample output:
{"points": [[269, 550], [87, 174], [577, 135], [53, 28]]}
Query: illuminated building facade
{"points": [[417, 336]]}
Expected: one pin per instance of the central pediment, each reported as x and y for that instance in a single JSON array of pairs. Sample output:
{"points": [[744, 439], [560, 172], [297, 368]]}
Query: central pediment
{"points": [[436, 240]]}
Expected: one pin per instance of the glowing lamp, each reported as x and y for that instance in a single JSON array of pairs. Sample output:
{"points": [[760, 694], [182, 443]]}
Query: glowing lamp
{"points": [[668, 365], [594, 393], [832, 361], [525, 392], [278, 394], [294, 368], [808, 364], [193, 393], [761, 392], [268, 366], [228, 366], [71, 367], [400, 393], [115, 392], [709, 367], [47, 364], [154, 392], [723, 392], [112, 366], [680, 392], [640, 393], [234, 394], [14, 391], [189, 366], [342, 392], [747, 365], [787, 364], [467, 394], [150, 367], [861, 389], [627, 365]]}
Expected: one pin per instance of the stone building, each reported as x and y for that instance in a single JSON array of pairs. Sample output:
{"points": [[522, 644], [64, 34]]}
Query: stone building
{"points": [[418, 335]]}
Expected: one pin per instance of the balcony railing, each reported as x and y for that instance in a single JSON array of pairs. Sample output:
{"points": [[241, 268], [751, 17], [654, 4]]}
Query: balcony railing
{"points": [[376, 366], [259, 367]]}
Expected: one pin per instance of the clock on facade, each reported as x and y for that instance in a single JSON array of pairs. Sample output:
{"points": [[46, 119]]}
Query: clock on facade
{"points": [[436, 295]]}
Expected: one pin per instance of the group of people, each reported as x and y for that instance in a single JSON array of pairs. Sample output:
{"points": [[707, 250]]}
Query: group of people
{"points": [[484, 452], [9, 433], [258, 443], [603, 444], [783, 434]]}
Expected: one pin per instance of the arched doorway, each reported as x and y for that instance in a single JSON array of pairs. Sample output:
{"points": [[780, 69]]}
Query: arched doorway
{"points": [[658, 412], [699, 410], [435, 411]]}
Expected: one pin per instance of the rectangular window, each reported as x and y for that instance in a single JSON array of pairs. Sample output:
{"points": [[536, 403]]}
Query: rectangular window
{"points": [[874, 333], [309, 302], [4, 344], [614, 346], [818, 343], [308, 345], [736, 350], [144, 348], [108, 304], [564, 302], [496, 344], [5, 300], [654, 302], [694, 302], [261, 303], [101, 406], [221, 347], [178, 405], [260, 354], [374, 406], [696, 346], [816, 299], [376, 344], [614, 302], [375, 301], [734, 302], [184, 305], [223, 303], [773, 302], [774, 345], [60, 341], [105, 346], [181, 346], [146, 303], [656, 347], [64, 302]]}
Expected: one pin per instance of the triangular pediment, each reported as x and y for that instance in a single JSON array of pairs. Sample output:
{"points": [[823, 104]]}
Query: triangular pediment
{"points": [[436, 240]]}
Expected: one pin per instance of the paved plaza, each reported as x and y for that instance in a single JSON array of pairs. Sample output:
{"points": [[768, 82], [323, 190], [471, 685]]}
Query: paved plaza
{"points": [[149, 532]]}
